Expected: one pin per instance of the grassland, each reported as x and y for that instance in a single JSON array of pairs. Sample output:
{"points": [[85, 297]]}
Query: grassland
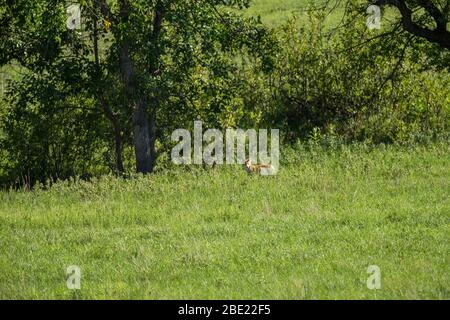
{"points": [[310, 232], [274, 13]]}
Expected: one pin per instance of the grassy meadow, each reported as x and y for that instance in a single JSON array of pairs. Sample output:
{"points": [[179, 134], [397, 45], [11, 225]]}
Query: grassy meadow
{"points": [[310, 232], [275, 13]]}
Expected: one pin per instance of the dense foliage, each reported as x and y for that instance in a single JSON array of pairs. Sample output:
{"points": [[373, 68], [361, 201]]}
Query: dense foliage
{"points": [[105, 98]]}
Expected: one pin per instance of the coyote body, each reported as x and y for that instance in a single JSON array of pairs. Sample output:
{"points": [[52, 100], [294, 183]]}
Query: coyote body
{"points": [[264, 169]]}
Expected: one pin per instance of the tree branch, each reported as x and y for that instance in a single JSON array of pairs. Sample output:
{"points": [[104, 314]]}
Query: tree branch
{"points": [[440, 35]]}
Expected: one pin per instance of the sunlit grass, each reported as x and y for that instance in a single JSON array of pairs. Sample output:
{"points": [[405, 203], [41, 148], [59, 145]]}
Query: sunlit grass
{"points": [[275, 13], [310, 232]]}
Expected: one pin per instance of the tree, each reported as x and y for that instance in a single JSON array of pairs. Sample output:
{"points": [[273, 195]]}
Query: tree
{"points": [[426, 19], [128, 57]]}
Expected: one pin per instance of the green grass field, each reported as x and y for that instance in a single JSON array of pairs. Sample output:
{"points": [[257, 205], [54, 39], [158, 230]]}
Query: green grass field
{"points": [[310, 232], [274, 13]]}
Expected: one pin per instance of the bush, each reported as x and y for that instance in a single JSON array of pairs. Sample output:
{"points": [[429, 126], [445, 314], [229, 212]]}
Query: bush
{"points": [[330, 83]]}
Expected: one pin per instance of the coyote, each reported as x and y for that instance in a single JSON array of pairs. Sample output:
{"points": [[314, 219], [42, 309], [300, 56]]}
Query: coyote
{"points": [[264, 169]]}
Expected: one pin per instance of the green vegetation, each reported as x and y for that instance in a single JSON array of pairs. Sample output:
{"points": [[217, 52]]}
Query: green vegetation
{"points": [[364, 178], [310, 232], [71, 112], [275, 13], [93, 101]]}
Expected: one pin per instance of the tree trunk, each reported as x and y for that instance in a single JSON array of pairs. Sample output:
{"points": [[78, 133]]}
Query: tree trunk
{"points": [[143, 148], [144, 124], [118, 141], [118, 150], [105, 106], [152, 136], [141, 129], [136, 101]]}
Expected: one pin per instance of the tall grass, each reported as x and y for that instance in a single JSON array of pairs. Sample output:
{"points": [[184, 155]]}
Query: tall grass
{"points": [[309, 232]]}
